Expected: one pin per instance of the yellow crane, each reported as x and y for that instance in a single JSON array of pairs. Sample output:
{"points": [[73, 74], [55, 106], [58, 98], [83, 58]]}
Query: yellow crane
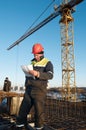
{"points": [[65, 10], [67, 53]]}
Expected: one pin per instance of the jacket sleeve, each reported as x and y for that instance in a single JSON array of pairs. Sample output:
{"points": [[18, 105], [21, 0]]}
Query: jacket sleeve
{"points": [[48, 73]]}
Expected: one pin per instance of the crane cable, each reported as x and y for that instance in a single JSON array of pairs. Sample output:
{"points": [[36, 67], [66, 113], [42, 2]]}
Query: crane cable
{"points": [[40, 16], [16, 69], [34, 22]]}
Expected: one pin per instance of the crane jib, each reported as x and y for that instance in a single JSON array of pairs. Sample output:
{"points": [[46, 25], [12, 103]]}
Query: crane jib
{"points": [[70, 5]]}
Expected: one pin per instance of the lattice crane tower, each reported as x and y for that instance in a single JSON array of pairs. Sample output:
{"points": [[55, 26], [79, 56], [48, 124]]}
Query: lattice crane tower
{"points": [[67, 53]]}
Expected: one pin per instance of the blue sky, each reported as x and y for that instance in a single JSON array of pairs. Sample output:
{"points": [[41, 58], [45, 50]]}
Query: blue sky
{"points": [[16, 16]]}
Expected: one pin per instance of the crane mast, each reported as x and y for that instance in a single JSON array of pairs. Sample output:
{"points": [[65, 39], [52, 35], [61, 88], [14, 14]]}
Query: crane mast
{"points": [[67, 53]]}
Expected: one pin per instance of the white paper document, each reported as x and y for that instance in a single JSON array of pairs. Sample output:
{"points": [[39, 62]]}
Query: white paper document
{"points": [[26, 69]]}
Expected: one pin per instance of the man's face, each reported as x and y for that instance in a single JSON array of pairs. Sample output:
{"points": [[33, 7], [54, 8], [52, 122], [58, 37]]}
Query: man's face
{"points": [[37, 56]]}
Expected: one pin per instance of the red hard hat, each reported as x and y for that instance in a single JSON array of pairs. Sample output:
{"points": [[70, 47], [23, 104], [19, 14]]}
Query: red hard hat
{"points": [[37, 48]]}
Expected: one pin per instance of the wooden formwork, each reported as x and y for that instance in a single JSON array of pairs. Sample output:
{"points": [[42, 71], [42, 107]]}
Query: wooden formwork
{"points": [[13, 101]]}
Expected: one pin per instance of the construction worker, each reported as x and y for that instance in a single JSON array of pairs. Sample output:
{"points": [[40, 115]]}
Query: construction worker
{"points": [[36, 88], [7, 85], [7, 88]]}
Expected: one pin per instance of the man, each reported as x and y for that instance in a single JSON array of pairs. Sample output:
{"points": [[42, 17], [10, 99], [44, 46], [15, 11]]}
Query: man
{"points": [[7, 88], [7, 85], [36, 88]]}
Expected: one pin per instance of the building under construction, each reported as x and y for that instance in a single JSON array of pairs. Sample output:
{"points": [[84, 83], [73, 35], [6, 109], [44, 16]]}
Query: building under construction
{"points": [[59, 113]]}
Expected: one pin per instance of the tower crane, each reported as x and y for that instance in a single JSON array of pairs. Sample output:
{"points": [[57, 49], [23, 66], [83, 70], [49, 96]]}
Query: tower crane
{"points": [[65, 10]]}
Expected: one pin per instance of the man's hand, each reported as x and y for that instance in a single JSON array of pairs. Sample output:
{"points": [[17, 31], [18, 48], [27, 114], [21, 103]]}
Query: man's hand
{"points": [[34, 73]]}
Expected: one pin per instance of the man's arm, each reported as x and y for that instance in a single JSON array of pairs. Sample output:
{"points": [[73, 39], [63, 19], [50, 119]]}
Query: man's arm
{"points": [[49, 72]]}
